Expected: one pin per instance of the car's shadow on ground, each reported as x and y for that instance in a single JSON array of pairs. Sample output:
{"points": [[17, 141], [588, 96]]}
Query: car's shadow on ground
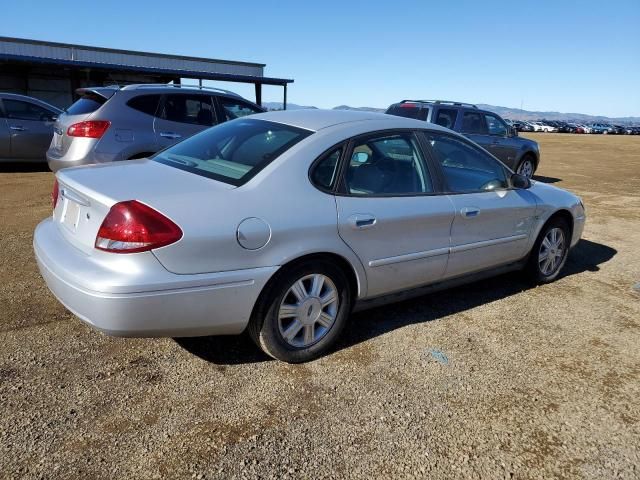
{"points": [[230, 350], [23, 167], [544, 179]]}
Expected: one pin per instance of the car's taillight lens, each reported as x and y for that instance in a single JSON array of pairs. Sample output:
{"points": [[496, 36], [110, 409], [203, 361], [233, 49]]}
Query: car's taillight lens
{"points": [[89, 129], [132, 227], [55, 192]]}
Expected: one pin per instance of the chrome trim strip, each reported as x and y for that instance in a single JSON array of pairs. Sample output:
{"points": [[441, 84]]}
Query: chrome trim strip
{"points": [[408, 257], [74, 197], [487, 243]]}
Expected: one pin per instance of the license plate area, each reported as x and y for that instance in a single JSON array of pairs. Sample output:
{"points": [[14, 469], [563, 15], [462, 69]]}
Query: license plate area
{"points": [[57, 141], [71, 214]]}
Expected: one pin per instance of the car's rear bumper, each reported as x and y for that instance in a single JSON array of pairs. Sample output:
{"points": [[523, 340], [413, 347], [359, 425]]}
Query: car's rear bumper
{"points": [[578, 228], [125, 303]]}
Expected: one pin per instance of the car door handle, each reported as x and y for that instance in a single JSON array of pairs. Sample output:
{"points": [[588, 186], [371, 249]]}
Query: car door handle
{"points": [[470, 212], [361, 221], [17, 128], [171, 135]]}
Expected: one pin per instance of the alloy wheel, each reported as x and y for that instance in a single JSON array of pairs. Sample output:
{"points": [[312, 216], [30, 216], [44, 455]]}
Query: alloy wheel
{"points": [[308, 310], [526, 168], [552, 251]]}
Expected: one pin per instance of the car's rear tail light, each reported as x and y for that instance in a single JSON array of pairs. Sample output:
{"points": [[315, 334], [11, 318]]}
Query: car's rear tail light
{"points": [[408, 105], [55, 193], [89, 129], [132, 227]]}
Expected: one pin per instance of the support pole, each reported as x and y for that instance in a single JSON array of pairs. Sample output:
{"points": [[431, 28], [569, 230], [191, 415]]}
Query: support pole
{"points": [[258, 93], [284, 104]]}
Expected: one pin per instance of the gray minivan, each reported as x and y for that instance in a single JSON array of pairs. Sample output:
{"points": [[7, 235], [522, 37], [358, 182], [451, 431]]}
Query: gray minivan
{"points": [[485, 128], [122, 123]]}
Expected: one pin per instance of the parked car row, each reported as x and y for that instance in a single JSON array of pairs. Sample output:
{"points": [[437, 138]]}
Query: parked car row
{"points": [[572, 127]]}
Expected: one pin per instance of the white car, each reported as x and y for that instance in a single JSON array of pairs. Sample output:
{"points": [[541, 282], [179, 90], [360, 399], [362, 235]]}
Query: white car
{"points": [[543, 127]]}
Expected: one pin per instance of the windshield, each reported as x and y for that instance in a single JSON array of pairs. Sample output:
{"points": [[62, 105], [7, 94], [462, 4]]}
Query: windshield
{"points": [[232, 152]]}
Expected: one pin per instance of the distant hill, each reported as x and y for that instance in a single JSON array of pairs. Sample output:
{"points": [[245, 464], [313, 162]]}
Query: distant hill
{"points": [[278, 106], [505, 112]]}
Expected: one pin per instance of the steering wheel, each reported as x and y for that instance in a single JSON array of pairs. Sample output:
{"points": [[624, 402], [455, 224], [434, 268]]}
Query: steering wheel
{"points": [[491, 185]]}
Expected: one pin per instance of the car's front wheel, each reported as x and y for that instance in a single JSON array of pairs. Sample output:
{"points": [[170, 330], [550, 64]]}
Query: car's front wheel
{"points": [[302, 312], [549, 253], [526, 167]]}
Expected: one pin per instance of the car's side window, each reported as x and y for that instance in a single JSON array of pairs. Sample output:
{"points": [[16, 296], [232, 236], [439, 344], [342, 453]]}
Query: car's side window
{"points": [[466, 168], [194, 109], [495, 125], [447, 117], [473, 122], [19, 110], [232, 108], [325, 171], [388, 164], [145, 103]]}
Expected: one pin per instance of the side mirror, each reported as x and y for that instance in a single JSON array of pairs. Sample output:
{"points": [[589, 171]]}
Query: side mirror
{"points": [[514, 131], [520, 181]]}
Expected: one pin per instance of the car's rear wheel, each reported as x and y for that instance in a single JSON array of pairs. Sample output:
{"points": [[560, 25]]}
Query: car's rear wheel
{"points": [[302, 312], [549, 253], [527, 166]]}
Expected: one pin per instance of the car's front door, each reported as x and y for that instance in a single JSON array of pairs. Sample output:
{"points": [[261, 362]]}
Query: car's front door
{"points": [[30, 129], [182, 115], [502, 144], [389, 212], [492, 221], [5, 138]]}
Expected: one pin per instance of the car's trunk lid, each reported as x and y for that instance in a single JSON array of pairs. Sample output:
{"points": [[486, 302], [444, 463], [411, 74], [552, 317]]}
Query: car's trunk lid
{"points": [[87, 194]]}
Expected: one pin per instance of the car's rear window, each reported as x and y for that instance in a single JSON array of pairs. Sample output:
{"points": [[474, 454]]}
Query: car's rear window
{"points": [[88, 103], [409, 110], [232, 152]]}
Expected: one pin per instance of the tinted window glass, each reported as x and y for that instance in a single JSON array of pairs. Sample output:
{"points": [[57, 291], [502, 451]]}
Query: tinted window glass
{"points": [[447, 117], [473, 122], [409, 110], [86, 104], [465, 167], [145, 103], [232, 152], [236, 109], [324, 172], [194, 109], [495, 125], [387, 165], [26, 111]]}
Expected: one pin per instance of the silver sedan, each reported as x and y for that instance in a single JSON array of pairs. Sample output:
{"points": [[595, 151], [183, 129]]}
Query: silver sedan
{"points": [[283, 223]]}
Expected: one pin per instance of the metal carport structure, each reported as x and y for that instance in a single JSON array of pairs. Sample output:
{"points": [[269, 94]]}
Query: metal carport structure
{"points": [[53, 71]]}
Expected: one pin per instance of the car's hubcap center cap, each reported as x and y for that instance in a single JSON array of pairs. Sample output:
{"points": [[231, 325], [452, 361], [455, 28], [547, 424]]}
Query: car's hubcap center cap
{"points": [[309, 311]]}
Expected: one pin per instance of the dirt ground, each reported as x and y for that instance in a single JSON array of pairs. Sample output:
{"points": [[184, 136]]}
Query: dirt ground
{"points": [[492, 380]]}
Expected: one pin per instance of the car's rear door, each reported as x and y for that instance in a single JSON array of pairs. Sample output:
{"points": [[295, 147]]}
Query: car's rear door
{"points": [[183, 115], [492, 221], [30, 129], [390, 213]]}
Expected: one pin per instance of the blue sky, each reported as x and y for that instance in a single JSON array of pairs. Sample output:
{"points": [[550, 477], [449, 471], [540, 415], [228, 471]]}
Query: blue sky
{"points": [[568, 56]]}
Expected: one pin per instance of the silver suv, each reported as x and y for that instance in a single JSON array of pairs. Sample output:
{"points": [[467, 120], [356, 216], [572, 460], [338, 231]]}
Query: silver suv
{"points": [[122, 123]]}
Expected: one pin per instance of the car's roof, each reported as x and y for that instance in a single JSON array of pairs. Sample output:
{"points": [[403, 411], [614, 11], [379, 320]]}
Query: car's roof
{"points": [[316, 119]]}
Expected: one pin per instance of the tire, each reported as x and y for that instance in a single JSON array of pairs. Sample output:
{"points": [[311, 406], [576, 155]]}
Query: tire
{"points": [[536, 269], [523, 169], [294, 288]]}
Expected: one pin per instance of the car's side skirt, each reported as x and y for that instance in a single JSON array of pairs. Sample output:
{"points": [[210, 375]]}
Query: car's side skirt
{"points": [[368, 303]]}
